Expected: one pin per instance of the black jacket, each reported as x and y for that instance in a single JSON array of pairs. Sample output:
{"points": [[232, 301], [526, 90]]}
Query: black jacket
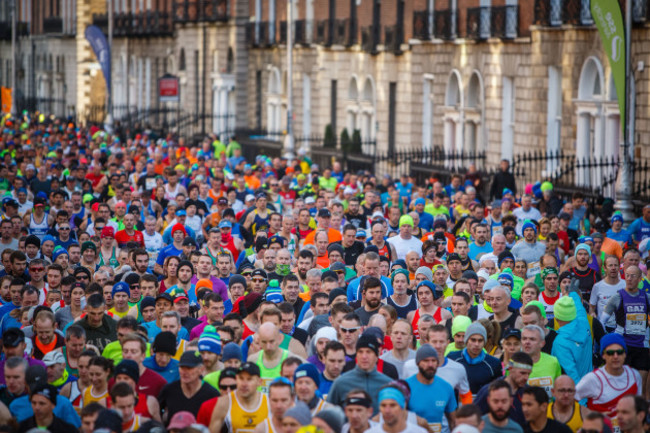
{"points": [[57, 426], [503, 179]]}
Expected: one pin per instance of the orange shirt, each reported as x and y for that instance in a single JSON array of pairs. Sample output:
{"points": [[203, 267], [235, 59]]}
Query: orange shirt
{"points": [[612, 248], [332, 234], [323, 261]]}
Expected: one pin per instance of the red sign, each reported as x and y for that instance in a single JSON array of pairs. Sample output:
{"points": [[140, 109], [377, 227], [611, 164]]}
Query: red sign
{"points": [[169, 89]]}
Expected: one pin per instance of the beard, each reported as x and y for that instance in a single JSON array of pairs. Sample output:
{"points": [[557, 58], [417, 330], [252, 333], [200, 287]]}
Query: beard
{"points": [[427, 374], [499, 415], [373, 305]]}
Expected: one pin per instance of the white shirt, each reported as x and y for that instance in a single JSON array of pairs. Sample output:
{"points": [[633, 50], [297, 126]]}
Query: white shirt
{"points": [[522, 215], [410, 428], [153, 244], [600, 294], [403, 246]]}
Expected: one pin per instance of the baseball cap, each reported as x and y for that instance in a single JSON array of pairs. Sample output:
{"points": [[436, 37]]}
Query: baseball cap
{"points": [[324, 213], [53, 357], [225, 223], [181, 420], [12, 337], [250, 368], [512, 332], [190, 359]]}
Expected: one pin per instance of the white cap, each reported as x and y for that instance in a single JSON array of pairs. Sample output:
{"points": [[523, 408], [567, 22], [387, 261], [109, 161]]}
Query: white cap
{"points": [[465, 428], [53, 357], [483, 273], [249, 197]]}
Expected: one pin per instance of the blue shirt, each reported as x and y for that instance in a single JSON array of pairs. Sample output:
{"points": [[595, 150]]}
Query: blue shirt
{"points": [[475, 250], [169, 250], [21, 408], [426, 221], [639, 229], [621, 237], [191, 294], [153, 330], [169, 373], [167, 235], [354, 290], [431, 402]]}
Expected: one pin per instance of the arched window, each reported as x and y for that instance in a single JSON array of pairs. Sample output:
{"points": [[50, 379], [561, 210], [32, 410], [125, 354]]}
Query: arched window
{"points": [[274, 102], [474, 117], [590, 129], [453, 116], [368, 111], [352, 106]]}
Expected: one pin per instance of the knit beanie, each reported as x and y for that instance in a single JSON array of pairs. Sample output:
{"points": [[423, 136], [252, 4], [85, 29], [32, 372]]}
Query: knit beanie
{"points": [[300, 412], [273, 292], [546, 186], [121, 287], [425, 351], [33, 240], [400, 271], [426, 272], [307, 370], [612, 338], [405, 220], [565, 309], [210, 341], [165, 342], [336, 293], [585, 247], [147, 301], [460, 324], [88, 245], [505, 255], [325, 332], [538, 305], [58, 251], [110, 420], [236, 278], [179, 226], [203, 282], [368, 342], [333, 417], [528, 225], [475, 329], [231, 351]]}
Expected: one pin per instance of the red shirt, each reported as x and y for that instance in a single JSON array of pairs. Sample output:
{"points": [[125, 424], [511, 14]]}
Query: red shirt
{"points": [[205, 412], [123, 238], [151, 383]]}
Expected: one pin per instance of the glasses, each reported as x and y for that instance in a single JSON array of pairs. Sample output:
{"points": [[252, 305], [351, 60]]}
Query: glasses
{"points": [[98, 228], [566, 390], [350, 330], [258, 280], [232, 387], [64, 228], [82, 277], [36, 269], [619, 352], [273, 185], [588, 431], [340, 272]]}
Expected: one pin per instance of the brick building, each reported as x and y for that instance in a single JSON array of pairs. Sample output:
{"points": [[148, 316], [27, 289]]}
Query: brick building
{"points": [[496, 76]]}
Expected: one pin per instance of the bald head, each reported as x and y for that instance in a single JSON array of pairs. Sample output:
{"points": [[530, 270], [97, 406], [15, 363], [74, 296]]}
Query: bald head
{"points": [[563, 381]]}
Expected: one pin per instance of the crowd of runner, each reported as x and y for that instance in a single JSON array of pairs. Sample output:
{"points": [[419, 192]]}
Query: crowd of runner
{"points": [[150, 286]]}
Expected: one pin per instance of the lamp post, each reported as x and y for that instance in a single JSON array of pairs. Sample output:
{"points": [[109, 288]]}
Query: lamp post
{"points": [[289, 140], [625, 183], [108, 123], [14, 22]]}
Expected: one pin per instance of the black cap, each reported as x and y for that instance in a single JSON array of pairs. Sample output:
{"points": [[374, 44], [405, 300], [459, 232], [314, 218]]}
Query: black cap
{"points": [[12, 337], [165, 296], [190, 359], [110, 420], [324, 213], [35, 375], [512, 332], [189, 241], [130, 368], [336, 247], [260, 273], [46, 390], [453, 256], [147, 301], [368, 342], [250, 368]]}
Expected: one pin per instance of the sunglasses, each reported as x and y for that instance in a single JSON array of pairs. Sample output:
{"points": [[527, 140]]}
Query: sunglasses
{"points": [[82, 277], [258, 280], [350, 330], [36, 269], [232, 387], [64, 228], [619, 352]]}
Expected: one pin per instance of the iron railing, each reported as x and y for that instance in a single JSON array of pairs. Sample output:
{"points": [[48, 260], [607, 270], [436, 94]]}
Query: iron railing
{"points": [[444, 27], [478, 24], [393, 38], [323, 35], [345, 32], [186, 11], [554, 13], [300, 35], [421, 25], [47, 106], [369, 39], [505, 22], [53, 25], [22, 29]]}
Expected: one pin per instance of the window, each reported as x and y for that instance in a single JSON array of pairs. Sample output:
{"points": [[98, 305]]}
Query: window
{"points": [[353, 106], [368, 113], [554, 117], [507, 118], [392, 116], [453, 116], [274, 103], [474, 116], [427, 112], [306, 105]]}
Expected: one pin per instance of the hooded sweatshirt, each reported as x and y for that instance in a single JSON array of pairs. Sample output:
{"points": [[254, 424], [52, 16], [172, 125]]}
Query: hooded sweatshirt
{"points": [[103, 335], [370, 381]]}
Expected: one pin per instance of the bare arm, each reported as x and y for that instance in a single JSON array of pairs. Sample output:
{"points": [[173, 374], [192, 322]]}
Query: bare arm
{"points": [[158, 269], [154, 408], [219, 414]]}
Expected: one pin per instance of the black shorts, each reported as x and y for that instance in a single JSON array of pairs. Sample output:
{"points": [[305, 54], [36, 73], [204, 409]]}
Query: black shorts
{"points": [[638, 357]]}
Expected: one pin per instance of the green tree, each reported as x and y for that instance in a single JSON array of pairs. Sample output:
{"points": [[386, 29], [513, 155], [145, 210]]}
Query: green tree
{"points": [[356, 142], [330, 137], [346, 142]]}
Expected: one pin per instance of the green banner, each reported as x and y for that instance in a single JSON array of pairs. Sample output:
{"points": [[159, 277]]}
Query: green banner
{"points": [[608, 17]]}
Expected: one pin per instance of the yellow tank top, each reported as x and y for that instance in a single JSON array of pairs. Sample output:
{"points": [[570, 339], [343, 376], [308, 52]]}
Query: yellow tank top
{"points": [[134, 425], [576, 419], [89, 397], [270, 428], [179, 350], [244, 421]]}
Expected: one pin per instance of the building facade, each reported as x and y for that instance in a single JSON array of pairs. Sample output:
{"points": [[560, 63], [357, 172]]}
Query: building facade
{"points": [[500, 77]]}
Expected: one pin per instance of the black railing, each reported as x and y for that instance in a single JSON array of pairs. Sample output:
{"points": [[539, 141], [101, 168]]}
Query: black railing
{"points": [[322, 34], [22, 29], [640, 11], [478, 23], [369, 39], [393, 38], [444, 28], [282, 39], [553, 13], [48, 106], [505, 22], [53, 25], [200, 10], [300, 36], [421, 25], [264, 39], [344, 33]]}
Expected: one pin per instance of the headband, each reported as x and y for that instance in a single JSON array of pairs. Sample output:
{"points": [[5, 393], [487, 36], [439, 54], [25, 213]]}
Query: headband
{"points": [[357, 401], [391, 393], [512, 364]]}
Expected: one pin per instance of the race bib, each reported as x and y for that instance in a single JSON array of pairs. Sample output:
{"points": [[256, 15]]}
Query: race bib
{"points": [[534, 268], [435, 427], [542, 382], [635, 323]]}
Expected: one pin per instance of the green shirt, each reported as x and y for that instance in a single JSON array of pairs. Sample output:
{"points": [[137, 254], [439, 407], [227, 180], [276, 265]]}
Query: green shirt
{"points": [[545, 371], [213, 379], [328, 184], [435, 211]]}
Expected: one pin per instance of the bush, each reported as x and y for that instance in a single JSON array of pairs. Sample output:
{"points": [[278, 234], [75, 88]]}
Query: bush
{"points": [[330, 138], [346, 142], [356, 142]]}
